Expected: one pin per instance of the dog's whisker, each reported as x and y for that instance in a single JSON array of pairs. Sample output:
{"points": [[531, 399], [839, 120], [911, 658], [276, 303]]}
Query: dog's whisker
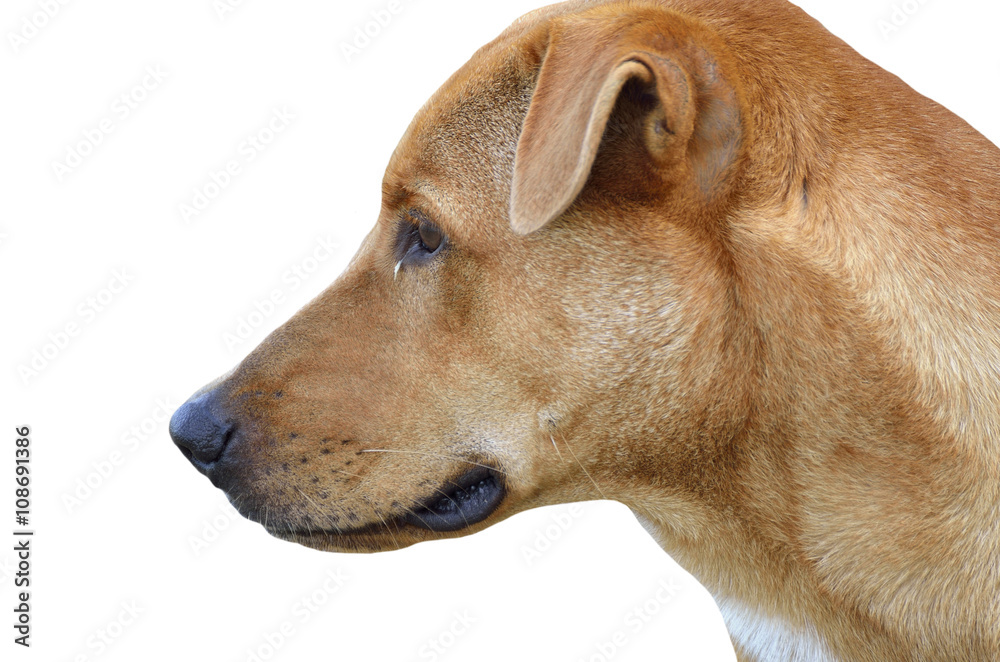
{"points": [[408, 511], [437, 455], [388, 529], [457, 507], [347, 473], [310, 500], [439, 491], [416, 506], [580, 464], [553, 440]]}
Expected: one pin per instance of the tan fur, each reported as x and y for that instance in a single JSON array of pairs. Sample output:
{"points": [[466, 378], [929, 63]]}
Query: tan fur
{"points": [[772, 330]]}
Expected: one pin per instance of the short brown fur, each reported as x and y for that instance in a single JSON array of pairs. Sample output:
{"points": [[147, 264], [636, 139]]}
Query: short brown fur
{"points": [[760, 306]]}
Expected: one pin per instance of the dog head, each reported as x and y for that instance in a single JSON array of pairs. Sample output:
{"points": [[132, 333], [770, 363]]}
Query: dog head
{"points": [[540, 315]]}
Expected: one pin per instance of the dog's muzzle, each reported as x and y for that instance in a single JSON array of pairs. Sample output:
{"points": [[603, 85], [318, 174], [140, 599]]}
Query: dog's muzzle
{"points": [[214, 440]]}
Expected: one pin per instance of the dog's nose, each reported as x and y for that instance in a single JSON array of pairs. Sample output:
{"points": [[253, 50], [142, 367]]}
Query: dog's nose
{"points": [[200, 431]]}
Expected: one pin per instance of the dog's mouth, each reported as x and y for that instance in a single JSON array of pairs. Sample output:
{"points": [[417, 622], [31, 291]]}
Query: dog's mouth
{"points": [[460, 503], [457, 504]]}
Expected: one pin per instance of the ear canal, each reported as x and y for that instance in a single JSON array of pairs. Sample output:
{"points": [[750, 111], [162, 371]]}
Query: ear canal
{"points": [[586, 65]]}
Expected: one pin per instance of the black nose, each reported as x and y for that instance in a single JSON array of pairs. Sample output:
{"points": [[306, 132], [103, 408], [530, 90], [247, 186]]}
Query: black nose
{"points": [[200, 430]]}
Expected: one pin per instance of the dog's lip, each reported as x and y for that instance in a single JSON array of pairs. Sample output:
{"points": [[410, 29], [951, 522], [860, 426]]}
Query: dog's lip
{"points": [[467, 500], [459, 503]]}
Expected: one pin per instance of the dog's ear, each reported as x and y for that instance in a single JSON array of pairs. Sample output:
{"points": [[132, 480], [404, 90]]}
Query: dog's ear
{"points": [[588, 62]]}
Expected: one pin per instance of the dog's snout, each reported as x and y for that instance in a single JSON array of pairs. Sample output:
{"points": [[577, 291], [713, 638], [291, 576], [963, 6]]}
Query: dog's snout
{"points": [[200, 431]]}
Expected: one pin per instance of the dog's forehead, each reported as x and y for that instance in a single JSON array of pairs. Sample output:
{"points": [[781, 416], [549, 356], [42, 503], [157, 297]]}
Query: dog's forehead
{"points": [[465, 136]]}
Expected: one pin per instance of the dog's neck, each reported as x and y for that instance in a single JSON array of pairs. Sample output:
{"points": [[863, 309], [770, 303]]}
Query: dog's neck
{"points": [[789, 535], [759, 636], [761, 631]]}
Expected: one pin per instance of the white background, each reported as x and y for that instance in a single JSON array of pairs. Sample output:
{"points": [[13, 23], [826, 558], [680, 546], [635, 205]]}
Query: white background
{"points": [[131, 539]]}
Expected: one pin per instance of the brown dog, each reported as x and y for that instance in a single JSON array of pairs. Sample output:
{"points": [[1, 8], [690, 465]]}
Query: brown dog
{"points": [[698, 256]]}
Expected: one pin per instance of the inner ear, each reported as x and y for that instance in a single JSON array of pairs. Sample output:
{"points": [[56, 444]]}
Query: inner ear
{"points": [[635, 117], [641, 137]]}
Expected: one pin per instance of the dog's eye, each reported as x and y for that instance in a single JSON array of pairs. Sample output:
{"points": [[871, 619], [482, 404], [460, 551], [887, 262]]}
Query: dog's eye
{"points": [[419, 239], [430, 236], [424, 236]]}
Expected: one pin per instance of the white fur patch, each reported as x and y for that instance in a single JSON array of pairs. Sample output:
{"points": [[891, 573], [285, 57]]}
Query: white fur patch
{"points": [[768, 639]]}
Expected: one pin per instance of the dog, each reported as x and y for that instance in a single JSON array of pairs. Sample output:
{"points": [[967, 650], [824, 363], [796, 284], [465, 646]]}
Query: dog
{"points": [[697, 256]]}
